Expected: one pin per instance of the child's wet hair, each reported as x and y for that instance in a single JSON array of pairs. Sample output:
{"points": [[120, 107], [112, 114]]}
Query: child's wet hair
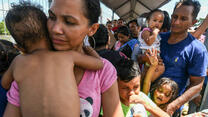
{"points": [[27, 24], [164, 81], [124, 30], [127, 70], [7, 54], [150, 13]]}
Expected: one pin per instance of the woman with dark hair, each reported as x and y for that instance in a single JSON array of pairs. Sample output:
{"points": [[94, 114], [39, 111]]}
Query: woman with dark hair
{"points": [[68, 23], [166, 22]]}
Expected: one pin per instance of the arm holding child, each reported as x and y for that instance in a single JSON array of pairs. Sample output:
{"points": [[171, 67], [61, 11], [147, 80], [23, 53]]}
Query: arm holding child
{"points": [[8, 77]]}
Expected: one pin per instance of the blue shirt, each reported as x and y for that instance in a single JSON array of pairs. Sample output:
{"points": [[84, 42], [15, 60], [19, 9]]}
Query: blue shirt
{"points": [[128, 47], [183, 59], [3, 100]]}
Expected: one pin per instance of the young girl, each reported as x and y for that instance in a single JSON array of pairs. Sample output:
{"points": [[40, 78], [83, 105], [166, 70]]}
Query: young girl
{"points": [[163, 92], [149, 37], [127, 45]]}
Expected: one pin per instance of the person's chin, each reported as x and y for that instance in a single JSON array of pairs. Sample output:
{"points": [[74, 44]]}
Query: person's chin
{"points": [[60, 47]]}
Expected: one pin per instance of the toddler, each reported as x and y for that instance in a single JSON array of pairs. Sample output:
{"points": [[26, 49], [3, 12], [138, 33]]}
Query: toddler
{"points": [[45, 78], [149, 37]]}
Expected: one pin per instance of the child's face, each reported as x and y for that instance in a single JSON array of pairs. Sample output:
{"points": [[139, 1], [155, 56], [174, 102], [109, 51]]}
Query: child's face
{"points": [[162, 94], [126, 89], [156, 20], [123, 38]]}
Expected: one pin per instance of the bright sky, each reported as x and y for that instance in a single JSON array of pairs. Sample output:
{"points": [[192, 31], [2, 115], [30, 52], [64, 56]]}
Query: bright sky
{"points": [[107, 13], [202, 14]]}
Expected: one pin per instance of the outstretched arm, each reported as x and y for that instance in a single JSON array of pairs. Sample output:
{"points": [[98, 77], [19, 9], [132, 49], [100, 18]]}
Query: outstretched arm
{"points": [[7, 78], [195, 87], [201, 29], [148, 104], [92, 61], [152, 55]]}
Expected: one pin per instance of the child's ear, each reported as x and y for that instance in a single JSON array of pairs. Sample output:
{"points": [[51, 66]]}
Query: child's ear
{"points": [[19, 48], [93, 29]]}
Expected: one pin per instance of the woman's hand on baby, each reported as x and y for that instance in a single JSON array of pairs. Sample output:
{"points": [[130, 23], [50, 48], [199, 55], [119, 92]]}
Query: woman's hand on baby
{"points": [[152, 56], [90, 51]]}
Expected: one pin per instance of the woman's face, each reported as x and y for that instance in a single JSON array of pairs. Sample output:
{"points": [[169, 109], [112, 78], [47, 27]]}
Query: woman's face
{"points": [[162, 94], [67, 24], [123, 38]]}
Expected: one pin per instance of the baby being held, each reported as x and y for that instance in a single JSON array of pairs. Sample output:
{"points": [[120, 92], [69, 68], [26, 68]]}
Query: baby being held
{"points": [[45, 78]]}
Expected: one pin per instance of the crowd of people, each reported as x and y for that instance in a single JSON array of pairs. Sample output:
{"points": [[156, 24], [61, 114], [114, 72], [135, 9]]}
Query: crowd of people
{"points": [[126, 70]]}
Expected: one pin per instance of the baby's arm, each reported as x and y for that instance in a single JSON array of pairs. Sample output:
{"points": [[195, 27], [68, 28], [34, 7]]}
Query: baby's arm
{"points": [[92, 61], [152, 55], [148, 104], [150, 37], [7, 78]]}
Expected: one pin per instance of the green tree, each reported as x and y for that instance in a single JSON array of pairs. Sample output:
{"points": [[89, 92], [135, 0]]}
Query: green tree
{"points": [[3, 29]]}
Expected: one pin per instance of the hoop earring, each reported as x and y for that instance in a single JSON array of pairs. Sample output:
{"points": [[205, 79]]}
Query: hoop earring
{"points": [[93, 42]]}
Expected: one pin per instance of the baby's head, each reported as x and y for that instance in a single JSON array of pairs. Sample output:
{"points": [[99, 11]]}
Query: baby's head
{"points": [[27, 24], [128, 79], [155, 19], [7, 54], [123, 34], [164, 91]]}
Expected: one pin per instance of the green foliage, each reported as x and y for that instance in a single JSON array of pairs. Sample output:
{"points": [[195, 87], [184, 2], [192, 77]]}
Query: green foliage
{"points": [[3, 29]]}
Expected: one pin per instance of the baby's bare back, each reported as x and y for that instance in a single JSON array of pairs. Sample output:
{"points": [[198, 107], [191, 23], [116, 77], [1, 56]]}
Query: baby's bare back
{"points": [[47, 85]]}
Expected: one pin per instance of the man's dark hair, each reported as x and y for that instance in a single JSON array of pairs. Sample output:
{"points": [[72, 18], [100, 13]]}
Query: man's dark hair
{"points": [[127, 70], [27, 24], [109, 22], [124, 30], [121, 19], [196, 6], [92, 10], [100, 38], [132, 22]]}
